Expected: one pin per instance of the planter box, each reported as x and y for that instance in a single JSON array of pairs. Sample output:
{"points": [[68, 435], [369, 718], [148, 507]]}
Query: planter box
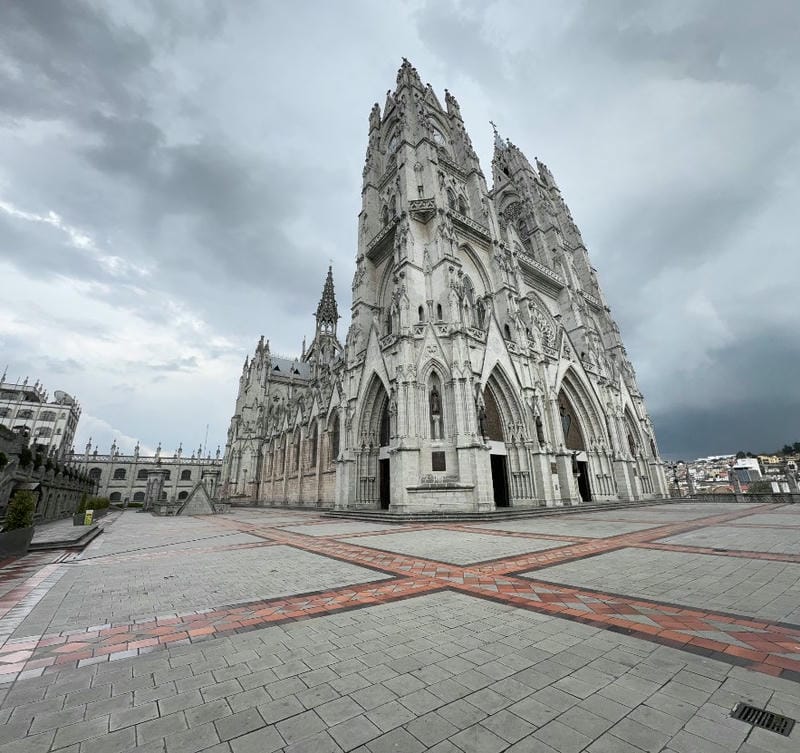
{"points": [[15, 543]]}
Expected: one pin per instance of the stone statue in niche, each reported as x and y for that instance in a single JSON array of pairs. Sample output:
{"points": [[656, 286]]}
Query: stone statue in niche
{"points": [[392, 412], [539, 431], [435, 405], [480, 411], [566, 420], [435, 402]]}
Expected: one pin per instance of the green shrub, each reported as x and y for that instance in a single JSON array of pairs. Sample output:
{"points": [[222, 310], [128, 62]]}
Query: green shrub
{"points": [[19, 513], [25, 457], [92, 503]]}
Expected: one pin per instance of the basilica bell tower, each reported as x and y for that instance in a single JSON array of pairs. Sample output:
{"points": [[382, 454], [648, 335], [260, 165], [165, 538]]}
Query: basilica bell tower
{"points": [[464, 302]]}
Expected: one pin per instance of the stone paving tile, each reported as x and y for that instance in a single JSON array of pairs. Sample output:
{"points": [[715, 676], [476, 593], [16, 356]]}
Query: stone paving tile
{"points": [[567, 526], [769, 590], [444, 671], [456, 547], [775, 540], [342, 528], [666, 513], [157, 587]]}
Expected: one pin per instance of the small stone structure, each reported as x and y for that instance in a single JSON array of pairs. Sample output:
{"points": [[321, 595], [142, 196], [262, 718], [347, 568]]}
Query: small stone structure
{"points": [[198, 503]]}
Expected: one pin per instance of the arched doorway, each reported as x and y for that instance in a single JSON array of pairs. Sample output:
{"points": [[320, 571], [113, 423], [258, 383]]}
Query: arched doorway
{"points": [[373, 488], [574, 440], [498, 456]]}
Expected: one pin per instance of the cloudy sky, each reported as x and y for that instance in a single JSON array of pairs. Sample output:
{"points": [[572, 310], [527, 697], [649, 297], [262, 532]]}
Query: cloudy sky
{"points": [[175, 178]]}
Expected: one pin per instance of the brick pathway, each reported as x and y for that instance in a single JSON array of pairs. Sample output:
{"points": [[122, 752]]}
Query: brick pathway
{"points": [[397, 565]]}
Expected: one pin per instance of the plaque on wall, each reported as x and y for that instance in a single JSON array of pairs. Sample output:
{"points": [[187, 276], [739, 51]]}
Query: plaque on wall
{"points": [[438, 462]]}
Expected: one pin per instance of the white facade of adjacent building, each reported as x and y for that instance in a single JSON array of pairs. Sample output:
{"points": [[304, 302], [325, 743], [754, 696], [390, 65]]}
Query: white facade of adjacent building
{"points": [[50, 425], [123, 478]]}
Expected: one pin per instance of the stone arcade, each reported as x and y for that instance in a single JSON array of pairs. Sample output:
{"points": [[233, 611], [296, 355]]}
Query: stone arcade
{"points": [[482, 366]]}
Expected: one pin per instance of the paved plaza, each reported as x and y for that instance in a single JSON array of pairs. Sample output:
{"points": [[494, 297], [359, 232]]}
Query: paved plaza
{"points": [[617, 631]]}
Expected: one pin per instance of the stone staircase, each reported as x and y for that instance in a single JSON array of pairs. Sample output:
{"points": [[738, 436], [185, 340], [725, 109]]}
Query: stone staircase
{"points": [[498, 514]]}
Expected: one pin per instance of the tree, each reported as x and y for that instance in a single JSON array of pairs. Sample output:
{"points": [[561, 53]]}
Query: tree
{"points": [[787, 449], [796, 446], [19, 513], [25, 457], [741, 454]]}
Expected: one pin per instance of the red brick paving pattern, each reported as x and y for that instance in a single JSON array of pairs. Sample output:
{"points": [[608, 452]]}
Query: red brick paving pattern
{"points": [[760, 645]]}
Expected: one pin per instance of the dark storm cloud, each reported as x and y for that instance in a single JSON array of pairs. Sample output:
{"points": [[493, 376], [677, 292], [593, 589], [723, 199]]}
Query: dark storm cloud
{"points": [[64, 54], [720, 40]]}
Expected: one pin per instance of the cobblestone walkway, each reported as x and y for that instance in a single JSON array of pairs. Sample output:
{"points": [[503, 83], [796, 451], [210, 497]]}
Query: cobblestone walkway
{"points": [[268, 630]]}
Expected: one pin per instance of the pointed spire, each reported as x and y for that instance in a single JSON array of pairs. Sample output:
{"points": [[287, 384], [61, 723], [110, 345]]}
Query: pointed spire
{"points": [[499, 144], [453, 108], [327, 311], [408, 75], [545, 174], [375, 117]]}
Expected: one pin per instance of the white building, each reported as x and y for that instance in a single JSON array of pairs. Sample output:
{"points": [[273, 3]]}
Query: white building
{"points": [[123, 478], [49, 424]]}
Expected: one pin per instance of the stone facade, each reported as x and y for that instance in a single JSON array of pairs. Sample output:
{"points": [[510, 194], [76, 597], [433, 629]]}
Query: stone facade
{"points": [[57, 485], [482, 366], [48, 424], [132, 478]]}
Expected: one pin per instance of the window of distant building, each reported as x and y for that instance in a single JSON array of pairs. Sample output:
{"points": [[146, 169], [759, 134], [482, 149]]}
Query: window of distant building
{"points": [[119, 474], [25, 413], [183, 495], [142, 474], [95, 473], [138, 497], [47, 415], [186, 475], [115, 497], [43, 431]]}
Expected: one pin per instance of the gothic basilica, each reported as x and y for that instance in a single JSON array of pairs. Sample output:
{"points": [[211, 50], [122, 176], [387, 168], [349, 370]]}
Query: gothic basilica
{"points": [[481, 368]]}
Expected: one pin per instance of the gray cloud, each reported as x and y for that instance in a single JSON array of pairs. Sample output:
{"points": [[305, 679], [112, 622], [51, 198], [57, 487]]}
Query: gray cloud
{"points": [[205, 167]]}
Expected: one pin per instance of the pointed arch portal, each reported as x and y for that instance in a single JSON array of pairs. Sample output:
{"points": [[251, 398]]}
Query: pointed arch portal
{"points": [[374, 466], [501, 413], [573, 431]]}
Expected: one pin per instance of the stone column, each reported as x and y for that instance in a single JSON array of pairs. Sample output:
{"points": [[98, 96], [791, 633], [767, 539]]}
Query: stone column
{"points": [[155, 485], [210, 477], [566, 480]]}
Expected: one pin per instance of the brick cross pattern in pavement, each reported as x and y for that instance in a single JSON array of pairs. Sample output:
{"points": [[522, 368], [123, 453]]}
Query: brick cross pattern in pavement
{"points": [[768, 647]]}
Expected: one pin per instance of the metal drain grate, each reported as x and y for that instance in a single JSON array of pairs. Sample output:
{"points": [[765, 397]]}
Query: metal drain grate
{"points": [[783, 725]]}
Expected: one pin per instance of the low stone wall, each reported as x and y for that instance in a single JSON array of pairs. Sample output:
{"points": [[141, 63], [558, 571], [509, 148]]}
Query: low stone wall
{"points": [[775, 499]]}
